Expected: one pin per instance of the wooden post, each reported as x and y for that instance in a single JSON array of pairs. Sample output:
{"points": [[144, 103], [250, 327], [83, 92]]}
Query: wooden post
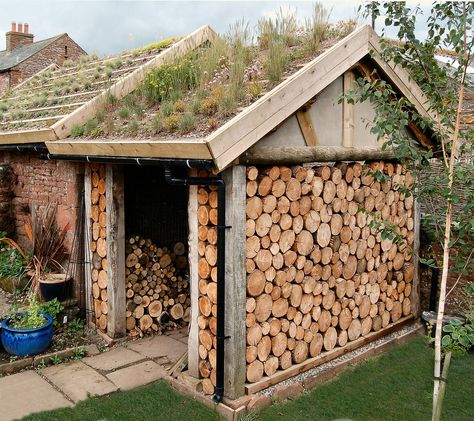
{"points": [[415, 291], [193, 338], [87, 239], [307, 127], [236, 279], [348, 112], [115, 208]]}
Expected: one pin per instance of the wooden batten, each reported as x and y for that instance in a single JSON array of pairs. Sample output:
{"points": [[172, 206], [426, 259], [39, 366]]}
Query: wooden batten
{"points": [[187, 148], [128, 83], [415, 292], [115, 214], [307, 127], [244, 130], [296, 369], [348, 112], [26, 136], [292, 155]]}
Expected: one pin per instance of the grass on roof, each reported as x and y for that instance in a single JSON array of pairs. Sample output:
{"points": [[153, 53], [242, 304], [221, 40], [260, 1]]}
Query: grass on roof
{"points": [[199, 92]]}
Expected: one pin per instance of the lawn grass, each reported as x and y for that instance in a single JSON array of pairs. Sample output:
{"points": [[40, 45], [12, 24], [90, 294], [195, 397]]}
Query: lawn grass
{"points": [[157, 401], [396, 386]]}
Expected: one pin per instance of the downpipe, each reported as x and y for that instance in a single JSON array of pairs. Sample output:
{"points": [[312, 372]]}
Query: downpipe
{"points": [[221, 227]]}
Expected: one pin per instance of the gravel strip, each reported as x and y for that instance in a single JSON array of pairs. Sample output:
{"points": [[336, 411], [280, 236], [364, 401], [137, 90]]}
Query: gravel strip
{"points": [[323, 367]]}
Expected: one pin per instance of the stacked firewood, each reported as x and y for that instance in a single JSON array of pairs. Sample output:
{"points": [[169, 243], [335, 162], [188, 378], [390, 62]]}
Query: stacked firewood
{"points": [[157, 286], [207, 270], [98, 244], [320, 271]]}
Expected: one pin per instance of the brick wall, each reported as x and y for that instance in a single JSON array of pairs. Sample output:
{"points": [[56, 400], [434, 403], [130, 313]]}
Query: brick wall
{"points": [[4, 81], [40, 182], [53, 53]]}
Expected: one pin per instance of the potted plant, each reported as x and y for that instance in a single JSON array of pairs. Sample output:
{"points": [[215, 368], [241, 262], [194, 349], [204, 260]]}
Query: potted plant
{"points": [[28, 332], [47, 250]]}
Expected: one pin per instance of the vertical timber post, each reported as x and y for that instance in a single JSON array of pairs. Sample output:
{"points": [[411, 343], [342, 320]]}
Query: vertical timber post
{"points": [[115, 209], [348, 112], [236, 279], [193, 339]]}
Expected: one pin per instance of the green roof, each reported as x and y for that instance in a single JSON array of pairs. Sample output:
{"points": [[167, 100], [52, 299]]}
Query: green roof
{"points": [[9, 59]]}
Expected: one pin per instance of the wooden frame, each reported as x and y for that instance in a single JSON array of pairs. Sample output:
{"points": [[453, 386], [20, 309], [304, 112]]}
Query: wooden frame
{"points": [[236, 281], [115, 212], [348, 112], [87, 250], [186, 148], [307, 127], [26, 136]]}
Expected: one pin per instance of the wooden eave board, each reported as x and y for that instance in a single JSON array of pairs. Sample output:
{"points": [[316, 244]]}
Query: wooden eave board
{"points": [[127, 84], [179, 149], [400, 78], [236, 136], [27, 136]]}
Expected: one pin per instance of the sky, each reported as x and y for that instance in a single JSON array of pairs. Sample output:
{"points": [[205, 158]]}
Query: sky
{"points": [[111, 26]]}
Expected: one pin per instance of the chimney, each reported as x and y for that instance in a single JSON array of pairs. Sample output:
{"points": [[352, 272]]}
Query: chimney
{"points": [[17, 37]]}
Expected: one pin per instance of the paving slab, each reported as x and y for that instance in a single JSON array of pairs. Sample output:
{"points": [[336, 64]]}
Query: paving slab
{"points": [[78, 381], [159, 346], [25, 393], [137, 375], [113, 359]]}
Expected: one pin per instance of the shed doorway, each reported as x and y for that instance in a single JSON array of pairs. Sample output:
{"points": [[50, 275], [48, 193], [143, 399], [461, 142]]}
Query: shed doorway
{"points": [[156, 253]]}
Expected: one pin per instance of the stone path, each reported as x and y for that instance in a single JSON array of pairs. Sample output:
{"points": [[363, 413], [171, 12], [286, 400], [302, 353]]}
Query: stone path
{"points": [[124, 367]]}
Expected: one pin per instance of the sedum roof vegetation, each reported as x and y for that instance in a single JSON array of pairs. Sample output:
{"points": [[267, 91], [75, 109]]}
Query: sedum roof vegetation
{"points": [[192, 96], [56, 92]]}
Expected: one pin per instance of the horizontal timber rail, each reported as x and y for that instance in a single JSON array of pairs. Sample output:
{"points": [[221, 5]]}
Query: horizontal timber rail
{"points": [[304, 154]]}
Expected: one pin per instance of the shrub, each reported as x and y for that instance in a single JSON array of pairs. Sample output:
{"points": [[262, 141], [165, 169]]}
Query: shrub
{"points": [[123, 112], [170, 123], [186, 123], [277, 59], [179, 106], [166, 108], [133, 127], [77, 131]]}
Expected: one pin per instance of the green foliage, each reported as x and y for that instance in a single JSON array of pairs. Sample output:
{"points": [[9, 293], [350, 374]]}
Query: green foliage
{"points": [[166, 108], [133, 127], [458, 338], [12, 263], [160, 83], [79, 354], [28, 319], [76, 327], [56, 359], [316, 28], [52, 307]]}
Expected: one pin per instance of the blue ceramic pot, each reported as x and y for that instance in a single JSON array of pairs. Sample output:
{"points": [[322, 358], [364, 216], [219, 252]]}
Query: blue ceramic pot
{"points": [[24, 342]]}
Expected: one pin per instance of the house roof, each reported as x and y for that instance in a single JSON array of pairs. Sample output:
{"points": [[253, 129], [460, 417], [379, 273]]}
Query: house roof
{"points": [[9, 59], [232, 139]]}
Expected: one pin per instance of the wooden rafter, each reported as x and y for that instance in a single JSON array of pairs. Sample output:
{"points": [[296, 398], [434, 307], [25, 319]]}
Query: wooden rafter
{"points": [[307, 127]]}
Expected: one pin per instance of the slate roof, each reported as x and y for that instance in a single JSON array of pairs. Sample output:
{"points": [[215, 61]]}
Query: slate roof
{"points": [[9, 59]]}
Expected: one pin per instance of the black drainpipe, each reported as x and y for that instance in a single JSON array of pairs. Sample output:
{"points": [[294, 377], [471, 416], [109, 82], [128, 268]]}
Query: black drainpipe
{"points": [[221, 227], [168, 164]]}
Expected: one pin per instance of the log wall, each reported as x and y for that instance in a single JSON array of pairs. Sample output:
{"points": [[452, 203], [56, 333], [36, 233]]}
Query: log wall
{"points": [[320, 273], [207, 272], [98, 245]]}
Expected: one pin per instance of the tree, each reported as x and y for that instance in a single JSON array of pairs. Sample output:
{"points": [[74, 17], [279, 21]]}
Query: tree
{"points": [[451, 219]]}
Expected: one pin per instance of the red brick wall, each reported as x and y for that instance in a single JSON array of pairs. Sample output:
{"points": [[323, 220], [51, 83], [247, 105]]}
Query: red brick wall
{"points": [[40, 182]]}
